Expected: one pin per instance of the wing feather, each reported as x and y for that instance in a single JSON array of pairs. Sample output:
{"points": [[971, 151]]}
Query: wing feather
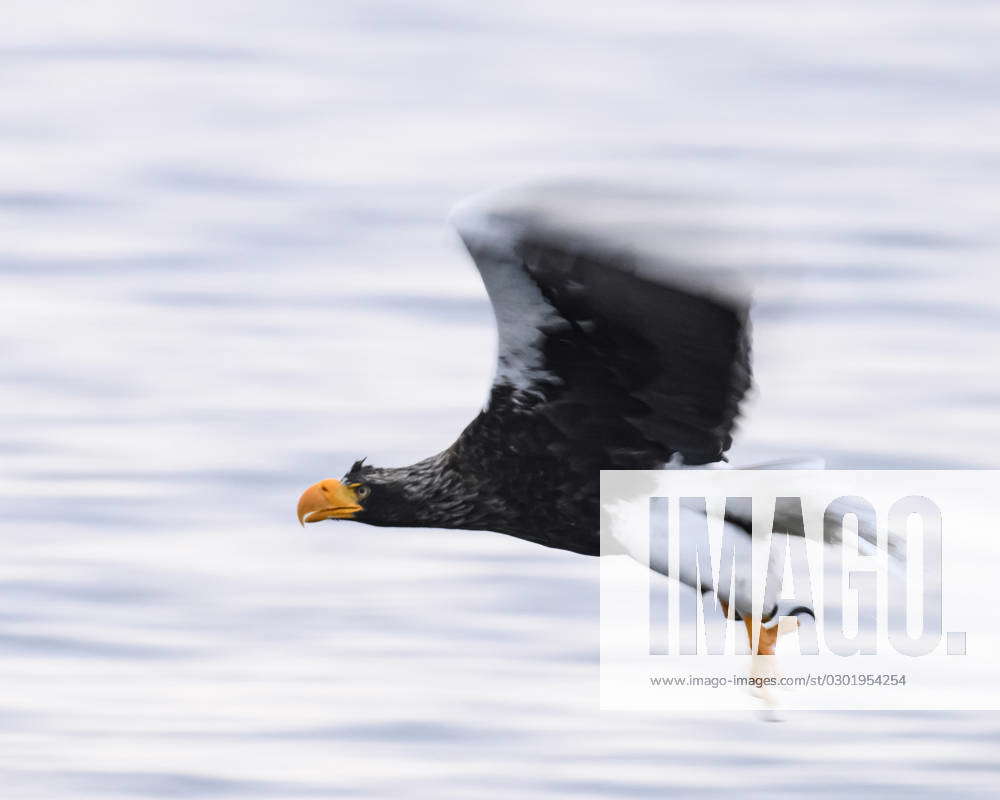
{"points": [[625, 359]]}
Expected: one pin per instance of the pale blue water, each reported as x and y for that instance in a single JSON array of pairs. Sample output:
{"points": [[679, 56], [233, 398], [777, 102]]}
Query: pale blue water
{"points": [[226, 274]]}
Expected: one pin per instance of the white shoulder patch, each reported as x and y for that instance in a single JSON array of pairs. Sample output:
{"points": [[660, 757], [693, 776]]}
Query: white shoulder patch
{"points": [[520, 309]]}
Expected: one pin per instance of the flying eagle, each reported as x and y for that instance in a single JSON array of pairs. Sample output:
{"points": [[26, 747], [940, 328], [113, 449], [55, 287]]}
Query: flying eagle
{"points": [[606, 360]]}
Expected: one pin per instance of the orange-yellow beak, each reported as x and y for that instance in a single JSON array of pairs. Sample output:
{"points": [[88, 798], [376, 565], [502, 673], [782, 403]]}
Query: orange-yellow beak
{"points": [[328, 499]]}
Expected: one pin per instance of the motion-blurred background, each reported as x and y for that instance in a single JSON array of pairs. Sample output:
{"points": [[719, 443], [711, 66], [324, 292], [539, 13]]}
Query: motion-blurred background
{"points": [[226, 273]]}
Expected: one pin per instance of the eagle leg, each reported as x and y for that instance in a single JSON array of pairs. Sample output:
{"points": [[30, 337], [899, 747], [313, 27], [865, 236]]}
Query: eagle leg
{"points": [[770, 629]]}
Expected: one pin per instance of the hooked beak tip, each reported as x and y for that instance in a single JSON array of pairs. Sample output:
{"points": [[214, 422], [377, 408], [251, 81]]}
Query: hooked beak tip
{"points": [[329, 499]]}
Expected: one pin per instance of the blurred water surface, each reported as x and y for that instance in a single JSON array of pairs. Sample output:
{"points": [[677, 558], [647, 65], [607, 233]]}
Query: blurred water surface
{"points": [[226, 273]]}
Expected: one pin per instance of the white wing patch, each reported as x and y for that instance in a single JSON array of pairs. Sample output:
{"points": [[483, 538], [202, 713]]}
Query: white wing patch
{"points": [[520, 309], [521, 312]]}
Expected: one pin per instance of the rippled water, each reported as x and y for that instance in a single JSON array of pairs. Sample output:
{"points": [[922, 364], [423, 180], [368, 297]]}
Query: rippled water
{"points": [[226, 273]]}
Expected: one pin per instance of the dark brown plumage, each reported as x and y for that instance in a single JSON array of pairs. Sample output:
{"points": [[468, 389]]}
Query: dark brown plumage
{"points": [[606, 360]]}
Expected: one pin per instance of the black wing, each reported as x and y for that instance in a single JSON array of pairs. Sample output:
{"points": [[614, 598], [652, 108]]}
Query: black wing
{"points": [[624, 361]]}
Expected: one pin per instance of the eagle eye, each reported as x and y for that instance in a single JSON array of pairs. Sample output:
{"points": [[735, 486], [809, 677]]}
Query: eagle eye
{"points": [[362, 491]]}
